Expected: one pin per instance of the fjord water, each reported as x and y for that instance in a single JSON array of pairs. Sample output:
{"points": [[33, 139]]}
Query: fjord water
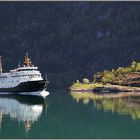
{"points": [[65, 115]]}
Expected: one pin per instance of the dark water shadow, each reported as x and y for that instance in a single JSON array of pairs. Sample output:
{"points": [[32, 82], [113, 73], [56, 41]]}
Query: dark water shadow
{"points": [[24, 99]]}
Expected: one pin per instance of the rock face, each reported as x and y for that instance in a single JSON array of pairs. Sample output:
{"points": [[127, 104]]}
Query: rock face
{"points": [[127, 79], [131, 79]]}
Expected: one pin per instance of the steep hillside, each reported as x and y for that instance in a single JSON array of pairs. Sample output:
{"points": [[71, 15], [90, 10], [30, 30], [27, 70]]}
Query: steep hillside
{"points": [[70, 40]]}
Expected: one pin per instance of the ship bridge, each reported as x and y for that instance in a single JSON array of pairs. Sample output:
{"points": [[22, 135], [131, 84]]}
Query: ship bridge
{"points": [[27, 68]]}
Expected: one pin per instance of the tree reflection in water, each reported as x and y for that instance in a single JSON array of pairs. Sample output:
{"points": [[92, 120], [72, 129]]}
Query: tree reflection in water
{"points": [[127, 103]]}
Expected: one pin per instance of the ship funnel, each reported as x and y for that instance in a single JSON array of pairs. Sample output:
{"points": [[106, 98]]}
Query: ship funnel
{"points": [[0, 66]]}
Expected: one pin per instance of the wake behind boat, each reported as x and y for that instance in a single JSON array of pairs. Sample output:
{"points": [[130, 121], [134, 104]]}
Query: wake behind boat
{"points": [[26, 79]]}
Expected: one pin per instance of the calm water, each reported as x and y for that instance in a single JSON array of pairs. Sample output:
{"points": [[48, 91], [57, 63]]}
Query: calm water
{"points": [[64, 115]]}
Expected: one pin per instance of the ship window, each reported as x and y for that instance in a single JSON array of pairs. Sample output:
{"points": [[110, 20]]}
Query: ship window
{"points": [[26, 69]]}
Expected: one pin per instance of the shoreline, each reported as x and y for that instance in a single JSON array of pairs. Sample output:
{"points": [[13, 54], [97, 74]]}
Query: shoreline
{"points": [[103, 88]]}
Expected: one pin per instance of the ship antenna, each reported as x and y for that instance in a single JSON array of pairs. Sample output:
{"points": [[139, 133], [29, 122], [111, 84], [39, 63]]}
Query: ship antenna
{"points": [[0, 66], [27, 55], [19, 63], [46, 78]]}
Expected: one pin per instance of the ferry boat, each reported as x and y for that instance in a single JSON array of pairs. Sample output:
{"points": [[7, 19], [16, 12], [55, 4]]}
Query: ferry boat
{"points": [[26, 79]]}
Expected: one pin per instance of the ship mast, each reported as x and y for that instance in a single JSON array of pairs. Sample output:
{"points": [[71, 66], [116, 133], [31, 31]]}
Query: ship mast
{"points": [[0, 66], [27, 61]]}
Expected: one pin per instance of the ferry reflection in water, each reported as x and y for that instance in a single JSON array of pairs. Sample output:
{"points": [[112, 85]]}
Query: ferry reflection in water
{"points": [[24, 109], [121, 103]]}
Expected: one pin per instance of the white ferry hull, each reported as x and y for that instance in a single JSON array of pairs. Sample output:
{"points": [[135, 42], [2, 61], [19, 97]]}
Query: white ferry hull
{"points": [[29, 86], [36, 88]]}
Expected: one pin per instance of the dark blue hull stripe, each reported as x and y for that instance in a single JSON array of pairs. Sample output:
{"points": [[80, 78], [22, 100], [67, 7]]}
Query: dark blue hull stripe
{"points": [[26, 87]]}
